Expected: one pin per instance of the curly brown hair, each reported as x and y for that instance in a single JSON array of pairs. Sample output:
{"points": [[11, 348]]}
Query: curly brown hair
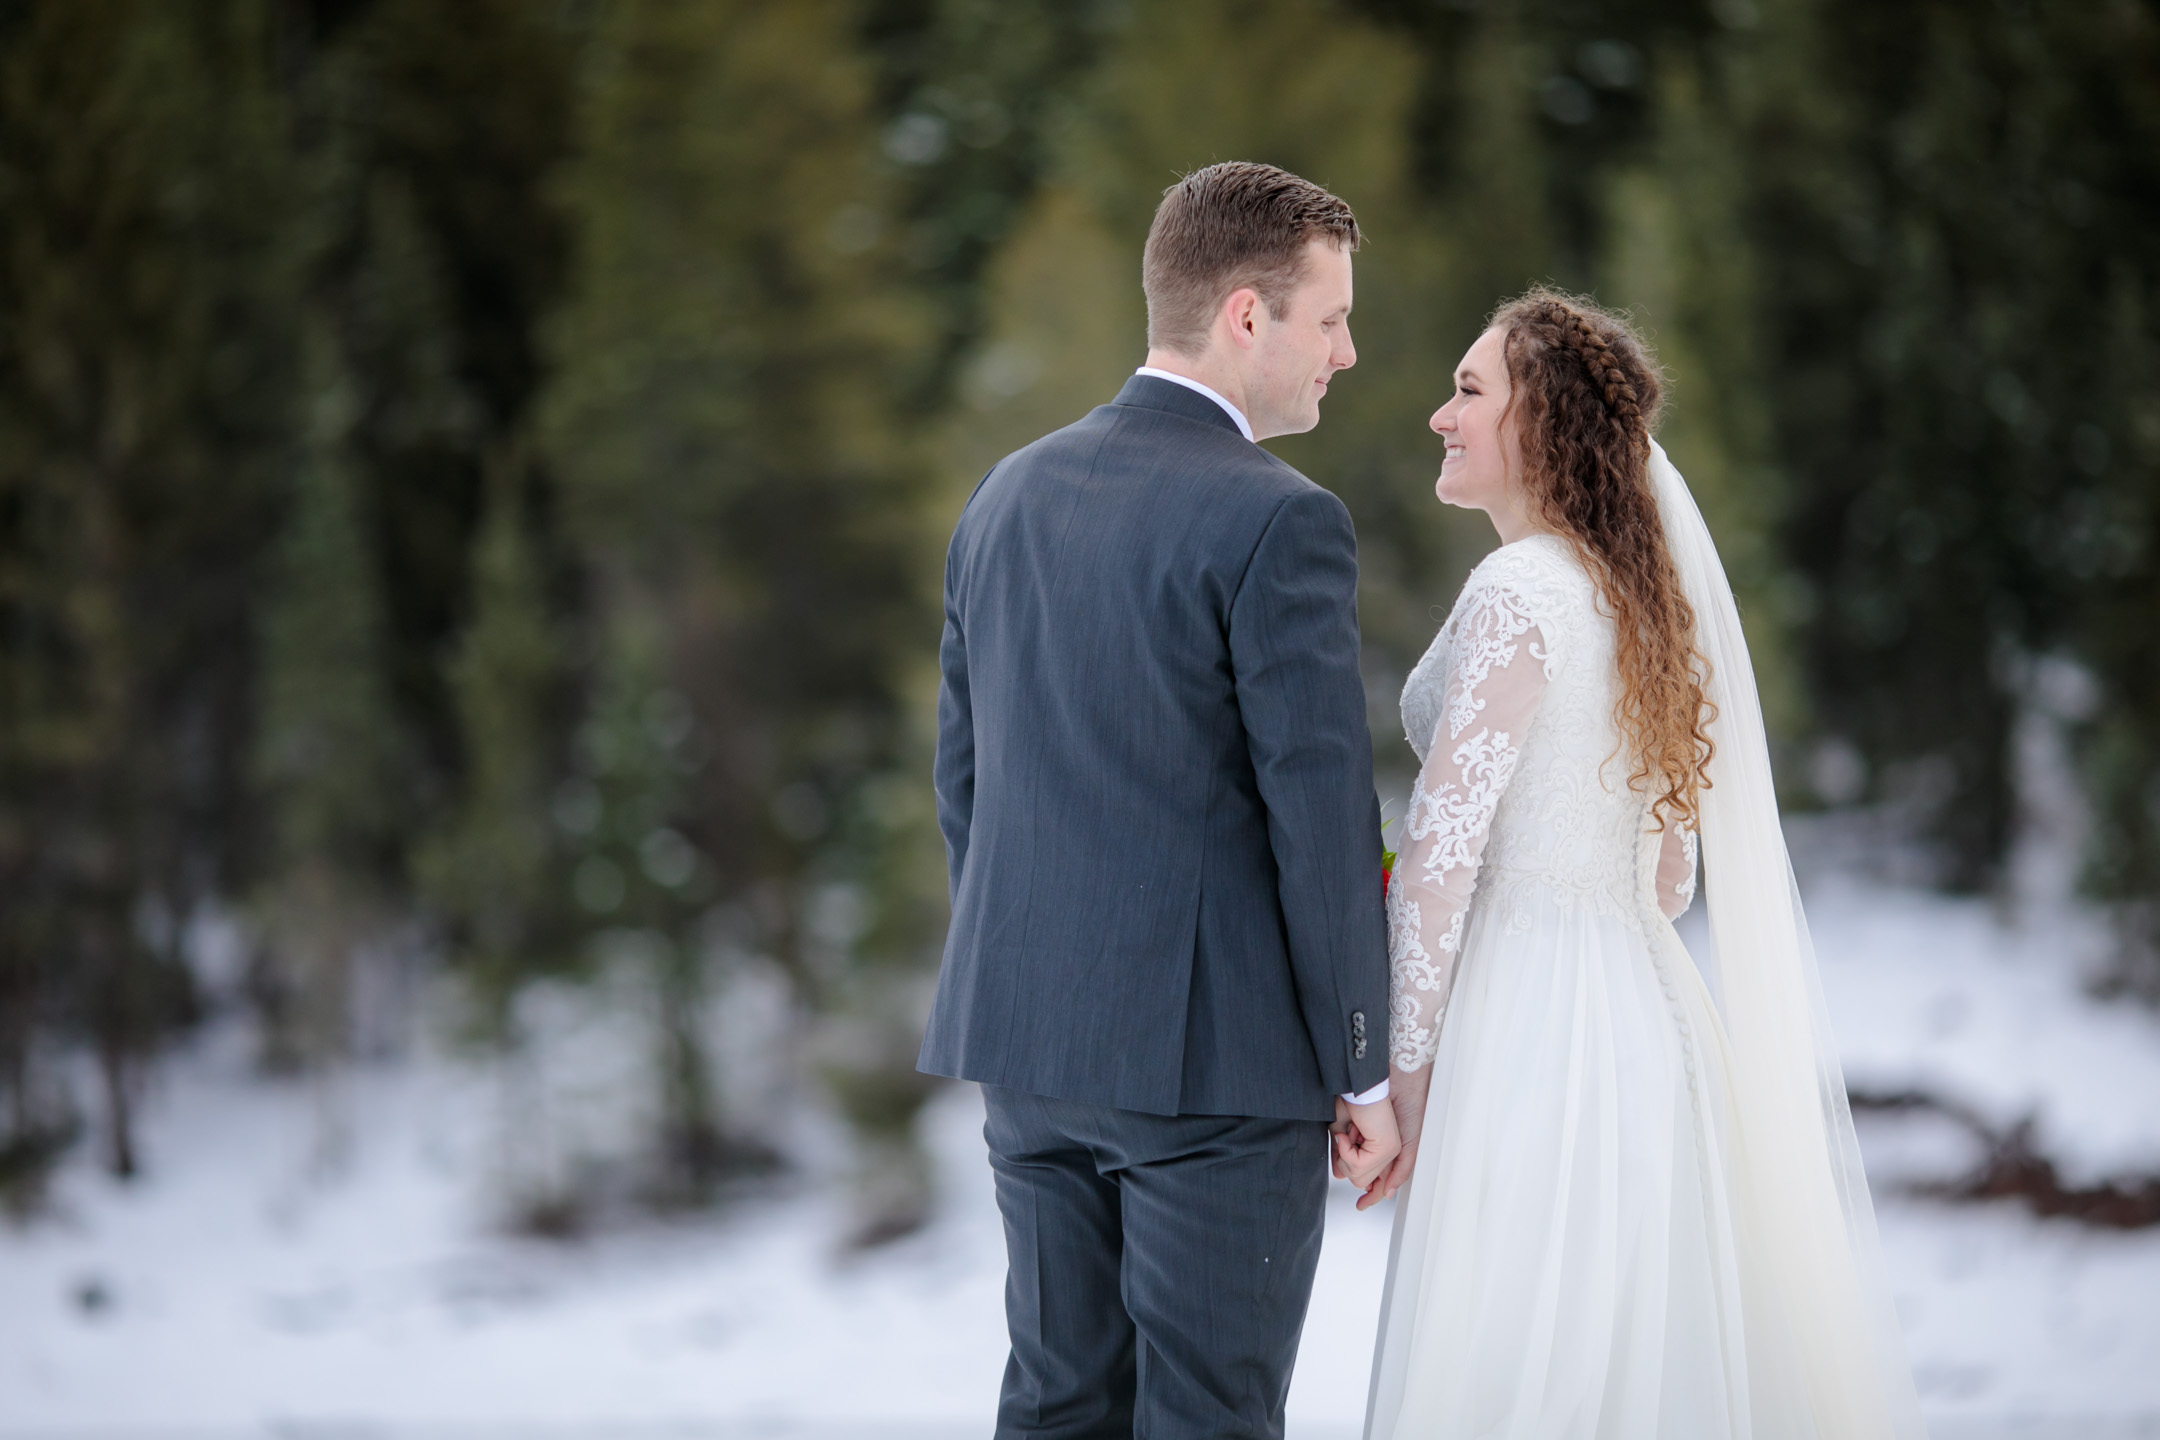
{"points": [[1586, 395]]}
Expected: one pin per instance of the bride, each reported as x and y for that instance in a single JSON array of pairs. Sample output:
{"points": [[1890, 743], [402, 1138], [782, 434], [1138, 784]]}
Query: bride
{"points": [[1631, 1202]]}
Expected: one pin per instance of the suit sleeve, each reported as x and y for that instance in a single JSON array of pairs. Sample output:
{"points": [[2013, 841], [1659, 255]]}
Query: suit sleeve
{"points": [[1294, 650], [954, 771]]}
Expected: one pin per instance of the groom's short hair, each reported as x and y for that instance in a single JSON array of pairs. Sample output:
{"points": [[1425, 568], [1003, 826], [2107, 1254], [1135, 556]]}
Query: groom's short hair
{"points": [[1225, 228]]}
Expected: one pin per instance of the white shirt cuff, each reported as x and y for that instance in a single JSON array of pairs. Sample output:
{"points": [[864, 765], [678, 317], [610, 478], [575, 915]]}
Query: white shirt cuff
{"points": [[1373, 1096]]}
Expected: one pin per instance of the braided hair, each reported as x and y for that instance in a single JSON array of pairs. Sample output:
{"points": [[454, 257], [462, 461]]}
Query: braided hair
{"points": [[1586, 394]]}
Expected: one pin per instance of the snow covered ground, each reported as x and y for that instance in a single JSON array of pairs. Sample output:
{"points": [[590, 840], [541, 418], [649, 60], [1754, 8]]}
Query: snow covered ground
{"points": [[242, 1292]]}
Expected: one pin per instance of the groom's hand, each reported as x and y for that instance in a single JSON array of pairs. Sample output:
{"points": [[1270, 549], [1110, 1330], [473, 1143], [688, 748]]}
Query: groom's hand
{"points": [[1366, 1141]]}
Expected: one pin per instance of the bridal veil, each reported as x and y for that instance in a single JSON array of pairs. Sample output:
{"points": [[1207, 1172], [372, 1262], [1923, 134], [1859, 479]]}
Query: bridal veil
{"points": [[1799, 1194]]}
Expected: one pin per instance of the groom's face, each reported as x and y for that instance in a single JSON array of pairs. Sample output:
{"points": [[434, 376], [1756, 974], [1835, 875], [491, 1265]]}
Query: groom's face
{"points": [[1298, 355]]}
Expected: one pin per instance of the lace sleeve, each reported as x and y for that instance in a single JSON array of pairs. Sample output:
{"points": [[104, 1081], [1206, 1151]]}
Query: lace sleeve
{"points": [[1676, 869], [1501, 666]]}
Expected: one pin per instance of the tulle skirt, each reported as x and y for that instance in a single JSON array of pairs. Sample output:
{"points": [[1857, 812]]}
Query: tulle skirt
{"points": [[1568, 1263]]}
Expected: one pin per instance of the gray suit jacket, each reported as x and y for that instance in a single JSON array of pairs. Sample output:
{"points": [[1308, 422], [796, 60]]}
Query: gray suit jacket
{"points": [[1155, 779]]}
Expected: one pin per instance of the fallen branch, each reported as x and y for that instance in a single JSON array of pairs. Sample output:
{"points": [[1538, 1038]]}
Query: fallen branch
{"points": [[2015, 1169]]}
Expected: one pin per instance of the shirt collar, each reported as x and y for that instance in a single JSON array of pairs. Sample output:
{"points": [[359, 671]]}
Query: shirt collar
{"points": [[1244, 426]]}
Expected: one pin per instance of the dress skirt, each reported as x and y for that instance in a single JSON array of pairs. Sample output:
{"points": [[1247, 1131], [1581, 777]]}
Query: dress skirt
{"points": [[1565, 1263]]}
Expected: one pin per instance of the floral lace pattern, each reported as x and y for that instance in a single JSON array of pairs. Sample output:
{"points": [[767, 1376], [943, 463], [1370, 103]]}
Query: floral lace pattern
{"points": [[1444, 827], [1458, 809], [1525, 797], [1486, 638], [1415, 973]]}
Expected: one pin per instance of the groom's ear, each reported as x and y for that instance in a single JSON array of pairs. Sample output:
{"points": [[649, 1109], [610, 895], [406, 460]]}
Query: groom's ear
{"points": [[1241, 310]]}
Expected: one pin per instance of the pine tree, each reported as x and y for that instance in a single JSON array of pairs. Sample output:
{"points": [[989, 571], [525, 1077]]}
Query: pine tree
{"points": [[972, 95], [329, 761], [427, 137], [1949, 208], [494, 870], [145, 354], [729, 430], [424, 139], [641, 884]]}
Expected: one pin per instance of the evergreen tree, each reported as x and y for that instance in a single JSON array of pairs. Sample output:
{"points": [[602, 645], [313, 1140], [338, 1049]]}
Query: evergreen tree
{"points": [[493, 870], [729, 429], [329, 759], [428, 136], [642, 884], [973, 95], [145, 347], [1951, 206]]}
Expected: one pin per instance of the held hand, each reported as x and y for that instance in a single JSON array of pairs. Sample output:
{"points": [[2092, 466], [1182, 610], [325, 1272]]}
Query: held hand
{"points": [[1340, 1128], [1365, 1142], [1407, 1093]]}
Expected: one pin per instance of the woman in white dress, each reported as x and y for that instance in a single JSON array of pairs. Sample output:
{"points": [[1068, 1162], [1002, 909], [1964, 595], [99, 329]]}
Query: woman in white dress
{"points": [[1628, 1208]]}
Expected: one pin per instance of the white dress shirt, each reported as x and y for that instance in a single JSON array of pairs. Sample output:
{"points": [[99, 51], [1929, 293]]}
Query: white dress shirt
{"points": [[1244, 426], [1379, 1092]]}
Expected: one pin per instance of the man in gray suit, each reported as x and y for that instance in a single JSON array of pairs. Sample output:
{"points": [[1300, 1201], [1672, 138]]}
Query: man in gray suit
{"points": [[1167, 964]]}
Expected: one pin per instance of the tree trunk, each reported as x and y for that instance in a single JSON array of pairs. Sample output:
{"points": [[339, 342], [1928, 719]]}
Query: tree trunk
{"points": [[116, 1070]]}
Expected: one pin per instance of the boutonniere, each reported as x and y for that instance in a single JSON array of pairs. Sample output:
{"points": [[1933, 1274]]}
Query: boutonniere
{"points": [[1387, 861]]}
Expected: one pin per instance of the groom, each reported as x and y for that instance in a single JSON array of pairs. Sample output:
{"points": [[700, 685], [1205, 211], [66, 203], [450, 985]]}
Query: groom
{"points": [[1167, 965]]}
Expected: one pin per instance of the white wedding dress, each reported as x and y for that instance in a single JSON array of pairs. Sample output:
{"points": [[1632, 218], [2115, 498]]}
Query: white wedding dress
{"points": [[1583, 1251]]}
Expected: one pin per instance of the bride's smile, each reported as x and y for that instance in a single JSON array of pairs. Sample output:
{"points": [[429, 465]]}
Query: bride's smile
{"points": [[1483, 453]]}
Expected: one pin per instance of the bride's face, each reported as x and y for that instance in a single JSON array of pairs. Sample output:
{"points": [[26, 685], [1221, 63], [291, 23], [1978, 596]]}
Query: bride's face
{"points": [[1482, 455]]}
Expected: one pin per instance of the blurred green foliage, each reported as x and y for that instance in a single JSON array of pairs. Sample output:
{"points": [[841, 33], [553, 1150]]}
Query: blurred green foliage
{"points": [[145, 392], [1962, 200], [472, 477]]}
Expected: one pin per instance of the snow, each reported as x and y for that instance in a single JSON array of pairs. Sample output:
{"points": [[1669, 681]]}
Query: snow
{"points": [[256, 1286], [1938, 995]]}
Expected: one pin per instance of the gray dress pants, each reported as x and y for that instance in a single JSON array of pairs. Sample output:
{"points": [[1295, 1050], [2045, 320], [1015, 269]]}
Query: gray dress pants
{"points": [[1158, 1267]]}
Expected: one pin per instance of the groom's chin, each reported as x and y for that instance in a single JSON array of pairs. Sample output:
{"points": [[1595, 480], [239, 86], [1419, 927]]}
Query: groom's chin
{"points": [[1300, 423]]}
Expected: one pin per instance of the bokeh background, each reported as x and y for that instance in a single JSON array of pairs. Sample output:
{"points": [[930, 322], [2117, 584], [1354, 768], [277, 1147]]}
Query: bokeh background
{"points": [[473, 480]]}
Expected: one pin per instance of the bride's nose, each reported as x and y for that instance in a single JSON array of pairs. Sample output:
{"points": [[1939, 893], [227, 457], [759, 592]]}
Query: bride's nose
{"points": [[1438, 423]]}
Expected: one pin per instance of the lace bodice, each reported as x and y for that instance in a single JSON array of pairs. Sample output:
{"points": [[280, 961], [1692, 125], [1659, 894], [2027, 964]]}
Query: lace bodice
{"points": [[1523, 792]]}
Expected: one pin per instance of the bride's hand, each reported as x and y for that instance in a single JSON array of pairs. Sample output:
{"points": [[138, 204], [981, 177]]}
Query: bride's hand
{"points": [[1407, 1092]]}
